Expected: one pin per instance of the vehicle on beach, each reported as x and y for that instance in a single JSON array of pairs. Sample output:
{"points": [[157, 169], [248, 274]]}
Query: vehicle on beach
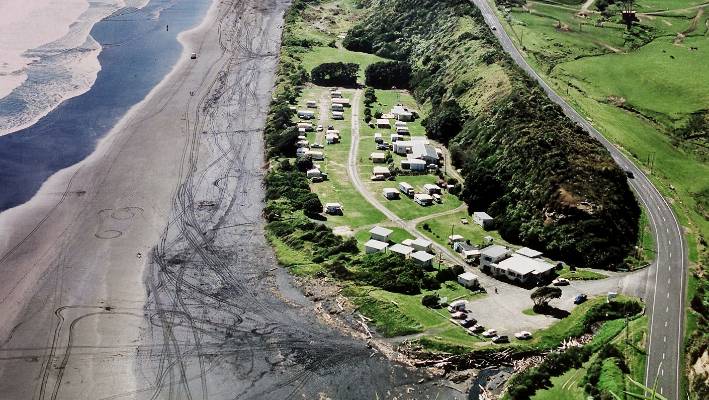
{"points": [[580, 298], [560, 282], [501, 339], [459, 315], [193, 56], [490, 333], [469, 322], [523, 335], [476, 329], [319, 128]]}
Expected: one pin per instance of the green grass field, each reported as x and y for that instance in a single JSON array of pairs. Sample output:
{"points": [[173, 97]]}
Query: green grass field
{"points": [[567, 387]]}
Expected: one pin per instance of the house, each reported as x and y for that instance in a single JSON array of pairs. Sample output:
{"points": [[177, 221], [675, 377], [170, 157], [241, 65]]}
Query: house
{"points": [[377, 157], [390, 193], [380, 233], [400, 124], [311, 104], [483, 219], [468, 279], [381, 171], [401, 249], [452, 239], [333, 208], [423, 151], [408, 242], [469, 252], [402, 130], [338, 115], [395, 137], [313, 173], [406, 188], [421, 244], [493, 254], [340, 100], [523, 269], [375, 246], [302, 143], [305, 125], [402, 113], [336, 94], [378, 137], [306, 114], [422, 258], [315, 155], [337, 107], [527, 252], [332, 138], [413, 164], [431, 188], [423, 199], [383, 123]]}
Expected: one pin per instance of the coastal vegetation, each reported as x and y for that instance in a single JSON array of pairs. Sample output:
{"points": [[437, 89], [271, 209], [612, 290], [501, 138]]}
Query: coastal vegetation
{"points": [[548, 184]]}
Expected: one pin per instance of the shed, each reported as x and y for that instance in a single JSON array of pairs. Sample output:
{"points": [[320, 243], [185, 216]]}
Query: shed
{"points": [[390, 193], [422, 258], [401, 249], [381, 171], [316, 155], [333, 208], [338, 115], [375, 246], [311, 104], [455, 238], [383, 123], [377, 157], [527, 252], [483, 219], [421, 244], [431, 188], [423, 199], [313, 173], [380, 233], [306, 114], [468, 279]]}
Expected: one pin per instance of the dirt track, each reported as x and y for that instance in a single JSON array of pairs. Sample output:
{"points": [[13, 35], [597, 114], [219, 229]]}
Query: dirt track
{"points": [[156, 282]]}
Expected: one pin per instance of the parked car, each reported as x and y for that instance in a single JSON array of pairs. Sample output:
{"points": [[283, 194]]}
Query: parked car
{"points": [[469, 322], [319, 128], [382, 146], [476, 329], [378, 178], [330, 128], [560, 282], [629, 174], [490, 333], [523, 335], [580, 298], [500, 339], [459, 315]]}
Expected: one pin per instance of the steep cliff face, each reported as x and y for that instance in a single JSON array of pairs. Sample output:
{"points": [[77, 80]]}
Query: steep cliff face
{"points": [[548, 183]]}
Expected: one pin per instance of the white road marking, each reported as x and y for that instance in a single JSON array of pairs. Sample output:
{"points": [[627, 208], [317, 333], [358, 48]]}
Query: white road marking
{"points": [[664, 338], [662, 372], [667, 230], [669, 242], [668, 295], [665, 327], [667, 309]]}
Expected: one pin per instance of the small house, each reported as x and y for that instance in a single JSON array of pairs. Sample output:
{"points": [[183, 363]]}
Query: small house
{"points": [[483, 219], [402, 130], [413, 164], [469, 253], [452, 239], [313, 173], [377, 157], [338, 115], [422, 258], [522, 269], [431, 188], [306, 114], [380, 233], [333, 208], [381, 171], [336, 94], [527, 252], [311, 104], [341, 100], [400, 124], [402, 113], [375, 246], [332, 138], [383, 123], [378, 137], [390, 193], [337, 107], [492, 255], [401, 249], [468, 279], [421, 244], [316, 155], [395, 137], [308, 127], [423, 199], [406, 188]]}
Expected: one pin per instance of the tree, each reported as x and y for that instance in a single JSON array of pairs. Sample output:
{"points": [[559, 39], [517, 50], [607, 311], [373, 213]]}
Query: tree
{"points": [[335, 74], [388, 74], [312, 206], [370, 96], [542, 295], [430, 300], [444, 121], [304, 163]]}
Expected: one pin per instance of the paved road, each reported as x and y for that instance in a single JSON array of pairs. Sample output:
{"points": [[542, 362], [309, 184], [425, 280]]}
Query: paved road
{"points": [[665, 287]]}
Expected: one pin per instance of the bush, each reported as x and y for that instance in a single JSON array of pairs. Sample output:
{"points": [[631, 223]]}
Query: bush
{"points": [[430, 300], [444, 122], [312, 206], [335, 74], [391, 272], [388, 74]]}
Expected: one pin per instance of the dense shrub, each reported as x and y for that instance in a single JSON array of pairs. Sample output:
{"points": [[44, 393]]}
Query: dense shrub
{"points": [[445, 121], [430, 300], [335, 74], [388, 74], [391, 272]]}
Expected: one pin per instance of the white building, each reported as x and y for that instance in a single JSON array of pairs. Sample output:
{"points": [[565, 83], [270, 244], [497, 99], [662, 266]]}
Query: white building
{"points": [[390, 193], [315, 155], [338, 115], [395, 137], [332, 138], [381, 171], [493, 254], [383, 123], [375, 246], [423, 199], [402, 130], [522, 269], [305, 125], [333, 208], [406, 188], [336, 94], [422, 258], [311, 104], [401, 249], [400, 124], [402, 113], [421, 244], [337, 107], [340, 100], [452, 239], [313, 173], [377, 157], [527, 252], [468, 279], [430, 188], [380, 233], [469, 252], [483, 219], [413, 164], [306, 114]]}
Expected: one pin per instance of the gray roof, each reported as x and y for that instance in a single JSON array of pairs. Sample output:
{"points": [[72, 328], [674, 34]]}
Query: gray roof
{"points": [[422, 256], [531, 253], [376, 244], [482, 215], [380, 231], [494, 251], [401, 249]]}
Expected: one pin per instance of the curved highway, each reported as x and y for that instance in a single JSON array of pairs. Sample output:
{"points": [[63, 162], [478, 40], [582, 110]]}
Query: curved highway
{"points": [[665, 287]]}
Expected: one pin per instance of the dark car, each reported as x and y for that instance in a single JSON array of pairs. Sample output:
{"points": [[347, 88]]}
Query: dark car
{"points": [[468, 322], [500, 339], [580, 299], [629, 174], [382, 146]]}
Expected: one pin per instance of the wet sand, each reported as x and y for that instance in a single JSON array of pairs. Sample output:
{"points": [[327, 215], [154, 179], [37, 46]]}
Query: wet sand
{"points": [[143, 273]]}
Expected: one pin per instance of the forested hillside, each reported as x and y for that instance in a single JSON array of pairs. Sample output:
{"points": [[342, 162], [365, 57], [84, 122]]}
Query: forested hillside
{"points": [[548, 183]]}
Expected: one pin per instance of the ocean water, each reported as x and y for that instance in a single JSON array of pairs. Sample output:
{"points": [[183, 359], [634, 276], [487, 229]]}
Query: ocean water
{"points": [[138, 51]]}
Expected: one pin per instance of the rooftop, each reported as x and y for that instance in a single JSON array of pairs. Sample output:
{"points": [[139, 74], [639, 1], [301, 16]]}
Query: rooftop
{"points": [[381, 231], [421, 242], [494, 251], [376, 244], [527, 252], [422, 256], [482, 215], [524, 265], [468, 276], [401, 249], [381, 170], [423, 196]]}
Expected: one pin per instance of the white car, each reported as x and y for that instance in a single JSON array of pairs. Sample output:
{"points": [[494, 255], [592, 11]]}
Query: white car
{"points": [[319, 128], [523, 335], [490, 333], [560, 282]]}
